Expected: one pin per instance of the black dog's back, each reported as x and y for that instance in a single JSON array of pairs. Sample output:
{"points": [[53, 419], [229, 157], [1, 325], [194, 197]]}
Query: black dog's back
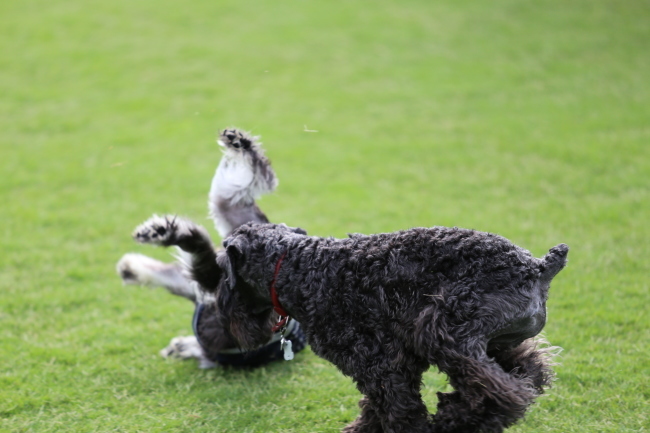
{"points": [[427, 258], [465, 273]]}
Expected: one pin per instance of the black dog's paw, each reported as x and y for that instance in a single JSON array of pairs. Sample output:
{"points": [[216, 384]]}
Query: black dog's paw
{"points": [[158, 230], [232, 138]]}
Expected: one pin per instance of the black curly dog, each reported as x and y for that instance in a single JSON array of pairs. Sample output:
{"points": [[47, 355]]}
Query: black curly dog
{"points": [[385, 307]]}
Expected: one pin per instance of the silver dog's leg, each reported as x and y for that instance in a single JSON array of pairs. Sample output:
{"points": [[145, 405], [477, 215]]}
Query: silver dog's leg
{"points": [[187, 348], [201, 257], [142, 270], [243, 175]]}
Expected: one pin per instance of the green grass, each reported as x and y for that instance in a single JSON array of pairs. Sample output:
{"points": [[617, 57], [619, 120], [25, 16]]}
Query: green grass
{"points": [[527, 119]]}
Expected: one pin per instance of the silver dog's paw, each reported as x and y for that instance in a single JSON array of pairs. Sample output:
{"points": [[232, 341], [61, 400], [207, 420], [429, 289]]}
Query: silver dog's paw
{"points": [[161, 230], [156, 230], [187, 348], [232, 138], [183, 347], [138, 269], [130, 271]]}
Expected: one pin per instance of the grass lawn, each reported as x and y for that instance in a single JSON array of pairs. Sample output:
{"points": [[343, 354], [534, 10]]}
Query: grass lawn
{"points": [[530, 119]]}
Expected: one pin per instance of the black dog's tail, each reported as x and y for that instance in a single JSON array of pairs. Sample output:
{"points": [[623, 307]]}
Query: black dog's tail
{"points": [[552, 263]]}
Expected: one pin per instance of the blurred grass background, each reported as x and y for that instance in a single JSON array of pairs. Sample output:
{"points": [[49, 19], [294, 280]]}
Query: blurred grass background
{"points": [[527, 119]]}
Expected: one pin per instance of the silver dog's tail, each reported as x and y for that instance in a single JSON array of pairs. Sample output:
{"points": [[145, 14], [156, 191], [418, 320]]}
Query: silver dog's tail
{"points": [[243, 175], [552, 263]]}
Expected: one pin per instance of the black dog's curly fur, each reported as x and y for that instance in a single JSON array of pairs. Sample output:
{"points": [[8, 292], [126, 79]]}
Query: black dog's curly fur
{"points": [[383, 308]]}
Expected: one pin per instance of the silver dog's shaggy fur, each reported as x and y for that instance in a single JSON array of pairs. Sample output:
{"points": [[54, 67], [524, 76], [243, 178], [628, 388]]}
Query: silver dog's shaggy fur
{"points": [[383, 308], [242, 176]]}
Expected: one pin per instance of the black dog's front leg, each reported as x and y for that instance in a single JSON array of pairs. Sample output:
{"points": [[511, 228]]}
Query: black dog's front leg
{"points": [[189, 237], [393, 403], [367, 422], [390, 379]]}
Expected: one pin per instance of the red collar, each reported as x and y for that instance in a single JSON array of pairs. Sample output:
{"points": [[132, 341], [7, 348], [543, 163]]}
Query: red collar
{"points": [[284, 316]]}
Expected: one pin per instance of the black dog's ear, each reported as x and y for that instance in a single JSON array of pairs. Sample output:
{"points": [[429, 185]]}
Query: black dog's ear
{"points": [[296, 230], [299, 231], [228, 260]]}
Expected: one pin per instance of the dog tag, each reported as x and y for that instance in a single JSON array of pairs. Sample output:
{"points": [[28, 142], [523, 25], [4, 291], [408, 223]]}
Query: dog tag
{"points": [[285, 345]]}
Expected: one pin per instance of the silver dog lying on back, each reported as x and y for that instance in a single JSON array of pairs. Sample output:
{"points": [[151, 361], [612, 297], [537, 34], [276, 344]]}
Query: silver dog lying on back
{"points": [[242, 176]]}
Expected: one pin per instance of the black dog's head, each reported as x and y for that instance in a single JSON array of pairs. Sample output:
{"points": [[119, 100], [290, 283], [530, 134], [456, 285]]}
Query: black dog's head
{"points": [[248, 263]]}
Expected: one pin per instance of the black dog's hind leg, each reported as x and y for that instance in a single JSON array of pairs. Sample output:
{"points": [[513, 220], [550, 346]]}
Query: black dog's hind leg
{"points": [[532, 361], [191, 238], [487, 399]]}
